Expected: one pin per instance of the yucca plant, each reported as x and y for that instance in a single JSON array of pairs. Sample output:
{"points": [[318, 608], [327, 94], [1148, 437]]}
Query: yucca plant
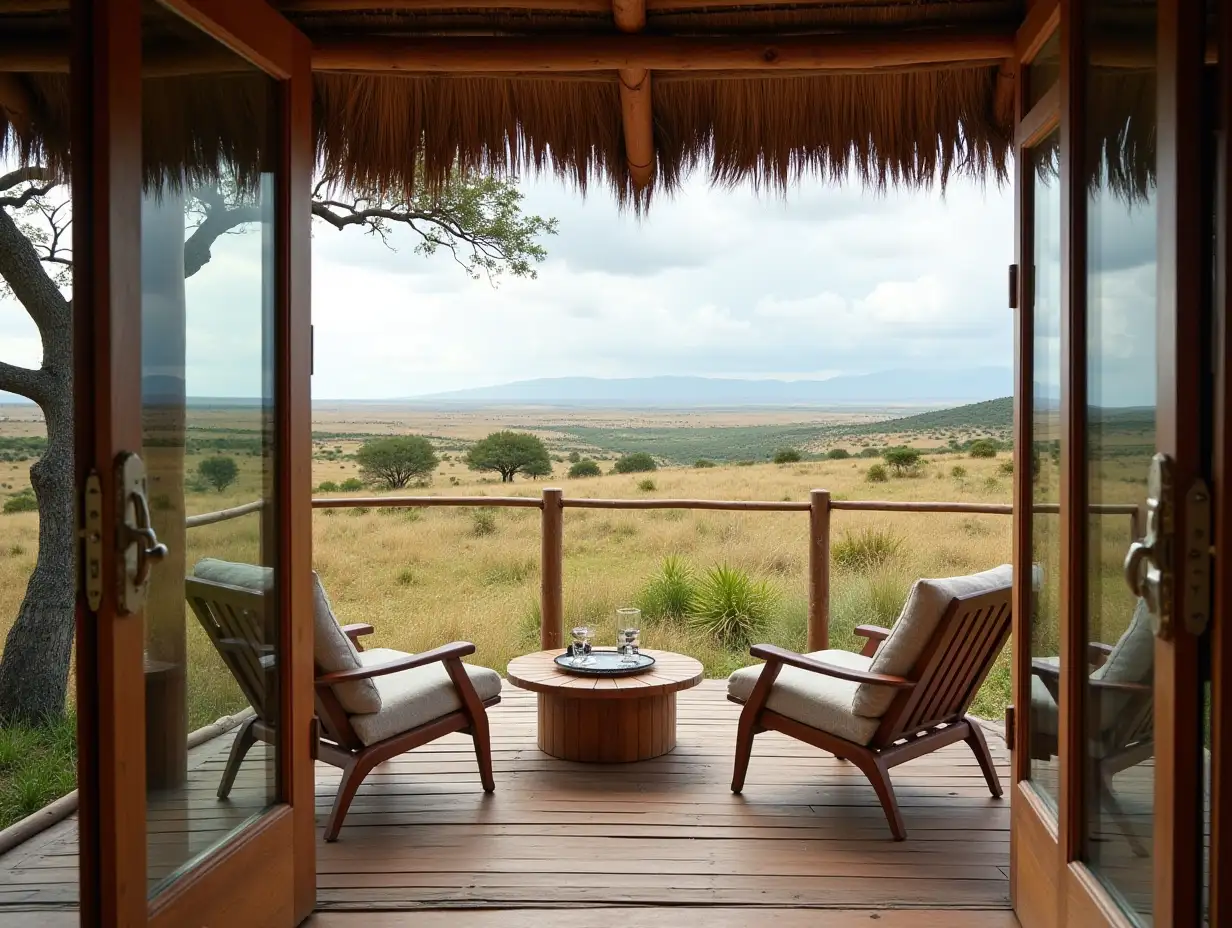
{"points": [[732, 607], [669, 594]]}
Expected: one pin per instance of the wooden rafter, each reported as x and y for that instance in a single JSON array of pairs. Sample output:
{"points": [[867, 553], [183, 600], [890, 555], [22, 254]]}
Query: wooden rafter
{"points": [[501, 54], [636, 108]]}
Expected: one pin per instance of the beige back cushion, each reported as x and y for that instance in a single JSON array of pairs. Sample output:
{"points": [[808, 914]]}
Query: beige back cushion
{"points": [[332, 650], [1132, 658], [921, 614]]}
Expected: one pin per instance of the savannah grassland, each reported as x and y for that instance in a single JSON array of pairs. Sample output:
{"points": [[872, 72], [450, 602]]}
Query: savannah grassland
{"points": [[426, 576]]}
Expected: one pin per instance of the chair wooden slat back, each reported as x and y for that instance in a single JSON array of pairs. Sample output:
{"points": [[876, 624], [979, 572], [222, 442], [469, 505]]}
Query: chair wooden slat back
{"points": [[952, 667], [234, 620]]}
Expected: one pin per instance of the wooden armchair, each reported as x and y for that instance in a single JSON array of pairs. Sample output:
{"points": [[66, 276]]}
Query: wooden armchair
{"points": [[371, 705], [905, 695]]}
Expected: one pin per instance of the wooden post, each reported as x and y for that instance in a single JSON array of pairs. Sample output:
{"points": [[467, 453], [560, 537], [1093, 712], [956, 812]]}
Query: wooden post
{"points": [[819, 570], [551, 571]]}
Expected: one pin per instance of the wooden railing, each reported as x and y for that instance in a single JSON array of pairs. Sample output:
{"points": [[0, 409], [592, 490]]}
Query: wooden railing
{"points": [[553, 503]]}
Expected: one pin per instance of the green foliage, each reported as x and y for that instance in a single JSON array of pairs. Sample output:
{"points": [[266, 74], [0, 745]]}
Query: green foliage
{"points": [[637, 463], [37, 766], [483, 521], [838, 454], [351, 484], [669, 594], [1006, 468], [574, 457], [22, 502], [732, 607], [787, 456], [406, 577], [903, 460], [511, 572], [327, 486], [510, 453], [585, 468], [869, 452], [647, 485], [982, 448], [219, 471], [745, 463], [866, 548], [393, 462], [872, 598], [703, 463], [958, 472], [876, 474]]}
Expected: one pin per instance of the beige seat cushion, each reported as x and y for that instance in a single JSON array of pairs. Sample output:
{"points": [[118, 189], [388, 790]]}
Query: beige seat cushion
{"points": [[411, 698], [921, 614], [332, 650], [813, 699]]}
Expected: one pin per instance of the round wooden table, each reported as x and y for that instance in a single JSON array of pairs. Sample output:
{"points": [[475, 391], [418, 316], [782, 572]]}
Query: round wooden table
{"points": [[606, 719]]}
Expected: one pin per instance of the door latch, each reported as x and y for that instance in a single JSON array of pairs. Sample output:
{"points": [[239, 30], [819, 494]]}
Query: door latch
{"points": [[1197, 557], [91, 535], [137, 547], [1148, 563]]}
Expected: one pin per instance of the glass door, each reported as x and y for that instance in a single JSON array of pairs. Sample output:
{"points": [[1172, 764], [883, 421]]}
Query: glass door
{"points": [[205, 804]]}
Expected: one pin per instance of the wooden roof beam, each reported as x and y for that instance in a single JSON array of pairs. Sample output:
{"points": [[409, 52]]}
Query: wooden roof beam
{"points": [[636, 108], [501, 54]]}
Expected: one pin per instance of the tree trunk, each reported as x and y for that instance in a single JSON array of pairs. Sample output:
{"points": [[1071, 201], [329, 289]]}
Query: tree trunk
{"points": [[39, 647]]}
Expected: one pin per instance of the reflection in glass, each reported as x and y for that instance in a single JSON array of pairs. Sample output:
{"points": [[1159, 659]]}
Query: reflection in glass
{"points": [[1042, 719], [1120, 437], [207, 306], [1044, 70]]}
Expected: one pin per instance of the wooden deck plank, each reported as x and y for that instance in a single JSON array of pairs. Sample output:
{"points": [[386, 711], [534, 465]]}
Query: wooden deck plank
{"points": [[666, 832]]}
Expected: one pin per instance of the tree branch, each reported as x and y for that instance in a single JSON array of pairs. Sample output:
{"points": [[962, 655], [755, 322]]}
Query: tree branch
{"points": [[28, 279], [26, 196], [23, 381], [25, 175], [218, 221]]}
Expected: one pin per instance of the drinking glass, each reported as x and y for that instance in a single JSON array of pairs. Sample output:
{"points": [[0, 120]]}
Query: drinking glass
{"points": [[628, 632], [582, 635]]}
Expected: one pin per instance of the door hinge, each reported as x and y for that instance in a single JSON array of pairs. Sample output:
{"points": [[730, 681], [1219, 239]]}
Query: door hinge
{"points": [[1013, 286], [91, 535], [1197, 557], [1009, 727], [314, 736]]}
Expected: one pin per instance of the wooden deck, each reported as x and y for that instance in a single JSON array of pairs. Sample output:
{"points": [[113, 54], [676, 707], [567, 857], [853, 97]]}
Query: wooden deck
{"points": [[807, 833]]}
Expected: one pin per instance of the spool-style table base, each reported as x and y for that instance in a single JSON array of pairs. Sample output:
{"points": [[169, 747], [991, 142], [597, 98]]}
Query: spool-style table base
{"points": [[607, 731]]}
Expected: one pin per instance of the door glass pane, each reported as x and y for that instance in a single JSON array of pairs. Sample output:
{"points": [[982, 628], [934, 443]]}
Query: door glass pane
{"points": [[1121, 316], [208, 299], [1046, 471], [1044, 70]]}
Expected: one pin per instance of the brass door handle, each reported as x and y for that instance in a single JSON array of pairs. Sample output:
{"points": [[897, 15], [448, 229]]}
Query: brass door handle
{"points": [[138, 546], [149, 549]]}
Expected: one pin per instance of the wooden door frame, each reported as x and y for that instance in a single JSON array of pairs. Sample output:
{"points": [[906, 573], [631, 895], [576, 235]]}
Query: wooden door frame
{"points": [[268, 873]]}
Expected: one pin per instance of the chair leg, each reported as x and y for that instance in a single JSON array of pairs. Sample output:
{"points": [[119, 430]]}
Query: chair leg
{"points": [[245, 738], [979, 747], [1117, 812], [483, 750], [879, 776], [744, 748], [352, 776]]}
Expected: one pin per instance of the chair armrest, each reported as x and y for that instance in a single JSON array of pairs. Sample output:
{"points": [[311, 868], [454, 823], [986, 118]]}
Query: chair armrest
{"points": [[357, 630], [1140, 689], [875, 635], [1097, 653], [454, 651], [771, 652]]}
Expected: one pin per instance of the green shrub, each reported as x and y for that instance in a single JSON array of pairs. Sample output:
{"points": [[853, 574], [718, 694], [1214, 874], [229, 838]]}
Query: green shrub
{"points": [[327, 486], [702, 462], [872, 598], [838, 454], [16, 550], [733, 608], [483, 521], [351, 484], [1006, 468], [22, 502], [406, 577], [982, 448], [511, 572], [219, 471], [876, 474], [745, 463], [647, 485], [958, 472], [870, 452], [669, 594], [903, 460], [585, 468], [866, 548], [637, 463], [787, 456], [574, 457]]}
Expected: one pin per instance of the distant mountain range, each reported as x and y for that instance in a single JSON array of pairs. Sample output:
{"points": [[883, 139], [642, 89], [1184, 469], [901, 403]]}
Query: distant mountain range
{"points": [[938, 385]]}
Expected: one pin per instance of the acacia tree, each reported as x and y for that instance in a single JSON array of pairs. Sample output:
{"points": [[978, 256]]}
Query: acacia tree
{"points": [[477, 219], [393, 462], [509, 453]]}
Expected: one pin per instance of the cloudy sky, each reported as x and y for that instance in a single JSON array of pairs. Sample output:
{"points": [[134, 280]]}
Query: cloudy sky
{"points": [[825, 281]]}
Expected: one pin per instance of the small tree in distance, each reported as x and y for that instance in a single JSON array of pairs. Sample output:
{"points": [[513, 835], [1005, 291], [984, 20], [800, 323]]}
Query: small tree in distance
{"points": [[982, 448], [786, 456], [637, 463], [585, 468], [510, 453], [391, 463], [903, 460], [838, 454], [219, 471]]}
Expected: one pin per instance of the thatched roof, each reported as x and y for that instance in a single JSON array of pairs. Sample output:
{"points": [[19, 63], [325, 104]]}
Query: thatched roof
{"points": [[909, 122]]}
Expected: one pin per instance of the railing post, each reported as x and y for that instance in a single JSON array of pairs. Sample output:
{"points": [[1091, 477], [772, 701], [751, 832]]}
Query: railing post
{"points": [[551, 571], [819, 570]]}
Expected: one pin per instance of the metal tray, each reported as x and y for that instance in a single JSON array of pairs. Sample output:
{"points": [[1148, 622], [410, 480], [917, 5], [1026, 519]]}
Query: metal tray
{"points": [[606, 664]]}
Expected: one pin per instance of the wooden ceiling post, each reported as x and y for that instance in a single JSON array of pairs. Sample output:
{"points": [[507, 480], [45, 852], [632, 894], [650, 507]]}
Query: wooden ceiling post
{"points": [[636, 111]]}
